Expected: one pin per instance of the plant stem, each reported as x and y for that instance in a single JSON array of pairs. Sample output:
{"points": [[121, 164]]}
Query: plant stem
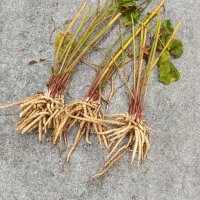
{"points": [[67, 31], [136, 107], [65, 77], [110, 64], [154, 63]]}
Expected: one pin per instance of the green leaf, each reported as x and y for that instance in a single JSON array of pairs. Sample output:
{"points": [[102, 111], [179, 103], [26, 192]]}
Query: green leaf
{"points": [[128, 4], [163, 41], [58, 39], [130, 11], [129, 15], [168, 73], [136, 16], [61, 51], [167, 26], [164, 57], [127, 20], [176, 48]]}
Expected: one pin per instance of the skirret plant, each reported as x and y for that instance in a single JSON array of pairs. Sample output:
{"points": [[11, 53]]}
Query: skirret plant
{"points": [[150, 43], [133, 135]]}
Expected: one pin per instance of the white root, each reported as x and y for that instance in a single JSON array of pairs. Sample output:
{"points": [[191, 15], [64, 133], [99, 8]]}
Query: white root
{"points": [[137, 133], [135, 147], [38, 112], [88, 115]]}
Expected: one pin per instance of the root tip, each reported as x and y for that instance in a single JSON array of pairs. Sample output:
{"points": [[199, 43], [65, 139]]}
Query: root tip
{"points": [[67, 159]]}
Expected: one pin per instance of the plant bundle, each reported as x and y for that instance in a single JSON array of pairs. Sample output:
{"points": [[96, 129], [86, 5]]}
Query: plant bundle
{"points": [[42, 111], [73, 112], [133, 135], [147, 46], [87, 112]]}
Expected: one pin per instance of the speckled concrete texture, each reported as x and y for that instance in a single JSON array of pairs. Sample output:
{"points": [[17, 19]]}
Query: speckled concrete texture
{"points": [[32, 171]]}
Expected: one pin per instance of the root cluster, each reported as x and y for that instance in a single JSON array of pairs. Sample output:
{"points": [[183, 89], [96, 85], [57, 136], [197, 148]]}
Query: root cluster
{"points": [[89, 117], [130, 137], [38, 112], [50, 115]]}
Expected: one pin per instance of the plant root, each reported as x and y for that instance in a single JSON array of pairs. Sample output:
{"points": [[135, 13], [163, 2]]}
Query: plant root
{"points": [[132, 137], [89, 116], [38, 112]]}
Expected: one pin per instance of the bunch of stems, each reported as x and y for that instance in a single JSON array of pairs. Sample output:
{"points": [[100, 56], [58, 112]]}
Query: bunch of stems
{"points": [[80, 44], [108, 69]]}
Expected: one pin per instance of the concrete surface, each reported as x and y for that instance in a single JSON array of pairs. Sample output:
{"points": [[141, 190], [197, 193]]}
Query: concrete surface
{"points": [[30, 171]]}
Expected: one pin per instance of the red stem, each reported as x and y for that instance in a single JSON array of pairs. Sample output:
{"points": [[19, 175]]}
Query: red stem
{"points": [[135, 105]]}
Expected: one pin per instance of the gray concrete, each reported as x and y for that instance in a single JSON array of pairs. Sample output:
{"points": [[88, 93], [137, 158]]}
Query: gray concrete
{"points": [[32, 171]]}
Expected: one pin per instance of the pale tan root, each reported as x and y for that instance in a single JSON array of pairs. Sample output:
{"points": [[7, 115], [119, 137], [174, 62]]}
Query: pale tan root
{"points": [[110, 163], [66, 122], [138, 143], [43, 124], [115, 147], [38, 112], [86, 113], [87, 139], [77, 138], [93, 115], [135, 148], [21, 102]]}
